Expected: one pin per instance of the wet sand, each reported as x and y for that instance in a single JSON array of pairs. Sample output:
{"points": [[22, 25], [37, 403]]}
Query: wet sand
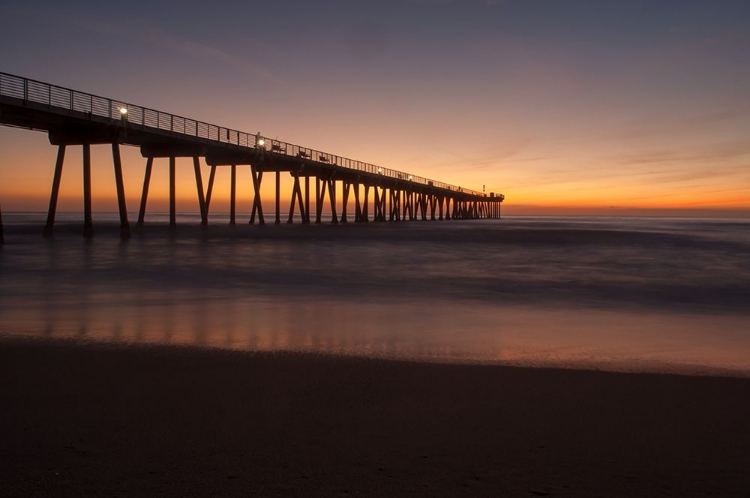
{"points": [[105, 420]]}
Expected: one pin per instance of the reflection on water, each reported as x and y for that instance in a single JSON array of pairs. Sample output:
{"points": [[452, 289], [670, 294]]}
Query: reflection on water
{"points": [[615, 295]]}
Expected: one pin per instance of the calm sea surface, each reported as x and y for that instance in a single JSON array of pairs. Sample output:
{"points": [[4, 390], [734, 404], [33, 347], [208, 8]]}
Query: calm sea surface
{"points": [[635, 294]]}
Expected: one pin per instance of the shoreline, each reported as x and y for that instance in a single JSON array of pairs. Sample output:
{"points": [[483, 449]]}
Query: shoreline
{"points": [[110, 419], [631, 367]]}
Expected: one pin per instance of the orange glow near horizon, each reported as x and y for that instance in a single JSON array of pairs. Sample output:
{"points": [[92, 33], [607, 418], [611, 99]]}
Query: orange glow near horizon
{"points": [[614, 174], [27, 186]]}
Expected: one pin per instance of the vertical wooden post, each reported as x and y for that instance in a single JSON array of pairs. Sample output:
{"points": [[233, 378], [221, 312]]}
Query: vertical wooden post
{"points": [[172, 193], [233, 196], [365, 213], [294, 199], [48, 228], [357, 206], [144, 194], [332, 196], [88, 229], [307, 200], [345, 186], [124, 224], [199, 187], [278, 195], [2, 236], [318, 200], [302, 210], [210, 189]]}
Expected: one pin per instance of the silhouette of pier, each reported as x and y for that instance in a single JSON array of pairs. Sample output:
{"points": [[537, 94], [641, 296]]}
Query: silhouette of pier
{"points": [[374, 193]]}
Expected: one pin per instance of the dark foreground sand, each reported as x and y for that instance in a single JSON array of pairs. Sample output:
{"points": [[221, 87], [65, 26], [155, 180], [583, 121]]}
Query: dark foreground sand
{"points": [[125, 421]]}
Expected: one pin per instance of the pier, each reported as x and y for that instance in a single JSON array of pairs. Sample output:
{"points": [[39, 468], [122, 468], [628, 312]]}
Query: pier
{"points": [[369, 193]]}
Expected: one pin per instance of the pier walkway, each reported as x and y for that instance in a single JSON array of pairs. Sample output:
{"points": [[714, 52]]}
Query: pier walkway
{"points": [[73, 118]]}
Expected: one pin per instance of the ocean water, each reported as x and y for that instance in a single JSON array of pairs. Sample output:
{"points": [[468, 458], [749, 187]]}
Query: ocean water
{"points": [[632, 294]]}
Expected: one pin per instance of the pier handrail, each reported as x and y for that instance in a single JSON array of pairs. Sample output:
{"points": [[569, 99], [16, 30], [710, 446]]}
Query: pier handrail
{"points": [[67, 99]]}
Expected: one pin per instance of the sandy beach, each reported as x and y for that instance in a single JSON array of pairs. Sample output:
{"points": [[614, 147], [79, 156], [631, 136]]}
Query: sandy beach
{"points": [[106, 420]]}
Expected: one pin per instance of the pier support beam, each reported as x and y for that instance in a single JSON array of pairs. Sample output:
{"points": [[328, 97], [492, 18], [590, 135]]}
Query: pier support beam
{"points": [[172, 193], [124, 223], [210, 188], [357, 205], [365, 215], [144, 194], [345, 186], [307, 200], [376, 207], [278, 197], [257, 204], [332, 197], [199, 186], [2, 235], [233, 196], [320, 194], [49, 227], [383, 193], [88, 226], [365, 206], [395, 205], [296, 197]]}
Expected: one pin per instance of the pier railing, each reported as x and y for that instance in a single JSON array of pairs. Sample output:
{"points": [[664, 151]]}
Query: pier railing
{"points": [[65, 99]]}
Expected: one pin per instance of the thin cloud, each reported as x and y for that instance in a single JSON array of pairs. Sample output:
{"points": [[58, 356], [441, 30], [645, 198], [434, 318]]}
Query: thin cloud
{"points": [[193, 48], [184, 46], [708, 153]]}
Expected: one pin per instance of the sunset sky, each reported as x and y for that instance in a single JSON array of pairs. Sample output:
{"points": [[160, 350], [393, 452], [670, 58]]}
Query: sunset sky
{"points": [[564, 106]]}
